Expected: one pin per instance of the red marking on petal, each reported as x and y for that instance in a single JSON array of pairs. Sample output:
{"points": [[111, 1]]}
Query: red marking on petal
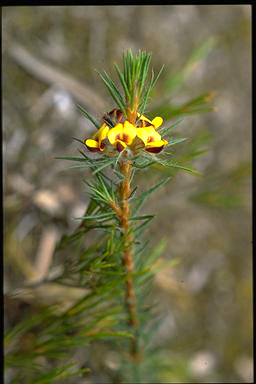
{"points": [[125, 138], [118, 137], [143, 123], [155, 149], [150, 139], [119, 147], [93, 149]]}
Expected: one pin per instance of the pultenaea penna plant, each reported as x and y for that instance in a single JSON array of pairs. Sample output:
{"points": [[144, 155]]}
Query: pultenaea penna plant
{"points": [[125, 142], [116, 269], [123, 136]]}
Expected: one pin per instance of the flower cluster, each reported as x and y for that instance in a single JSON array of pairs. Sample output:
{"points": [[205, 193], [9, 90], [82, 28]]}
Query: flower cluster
{"points": [[120, 133]]}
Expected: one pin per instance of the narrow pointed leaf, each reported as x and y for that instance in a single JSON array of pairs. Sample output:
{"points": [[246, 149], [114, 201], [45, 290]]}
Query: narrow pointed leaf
{"points": [[88, 116]]}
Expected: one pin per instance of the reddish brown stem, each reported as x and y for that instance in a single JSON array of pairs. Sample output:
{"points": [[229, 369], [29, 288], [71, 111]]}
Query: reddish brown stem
{"points": [[125, 192]]}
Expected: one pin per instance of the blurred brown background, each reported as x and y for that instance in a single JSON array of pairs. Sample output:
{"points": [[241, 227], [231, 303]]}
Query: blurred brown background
{"points": [[49, 59]]}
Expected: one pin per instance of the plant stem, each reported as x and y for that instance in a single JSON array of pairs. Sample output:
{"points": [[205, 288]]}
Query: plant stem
{"points": [[125, 192], [132, 110]]}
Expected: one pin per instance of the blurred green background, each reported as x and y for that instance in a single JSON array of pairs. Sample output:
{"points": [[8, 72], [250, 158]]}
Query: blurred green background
{"points": [[49, 59]]}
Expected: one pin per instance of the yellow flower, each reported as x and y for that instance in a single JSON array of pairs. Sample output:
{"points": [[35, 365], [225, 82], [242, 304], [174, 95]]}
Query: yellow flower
{"points": [[122, 135], [156, 122], [151, 139], [96, 143]]}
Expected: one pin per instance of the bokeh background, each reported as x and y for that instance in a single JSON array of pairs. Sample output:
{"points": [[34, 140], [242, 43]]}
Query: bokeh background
{"points": [[49, 59]]}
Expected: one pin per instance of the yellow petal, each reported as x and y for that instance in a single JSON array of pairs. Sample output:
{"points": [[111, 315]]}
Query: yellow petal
{"points": [[98, 133], [142, 134], [92, 145], [102, 134], [129, 132], [152, 134], [156, 146], [104, 128], [115, 133], [120, 145], [157, 121]]}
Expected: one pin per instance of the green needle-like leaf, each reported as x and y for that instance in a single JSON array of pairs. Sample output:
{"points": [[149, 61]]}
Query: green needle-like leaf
{"points": [[88, 116]]}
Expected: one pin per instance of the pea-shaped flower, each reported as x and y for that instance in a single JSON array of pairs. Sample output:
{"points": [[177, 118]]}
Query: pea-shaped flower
{"points": [[151, 139], [96, 143], [122, 135]]}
